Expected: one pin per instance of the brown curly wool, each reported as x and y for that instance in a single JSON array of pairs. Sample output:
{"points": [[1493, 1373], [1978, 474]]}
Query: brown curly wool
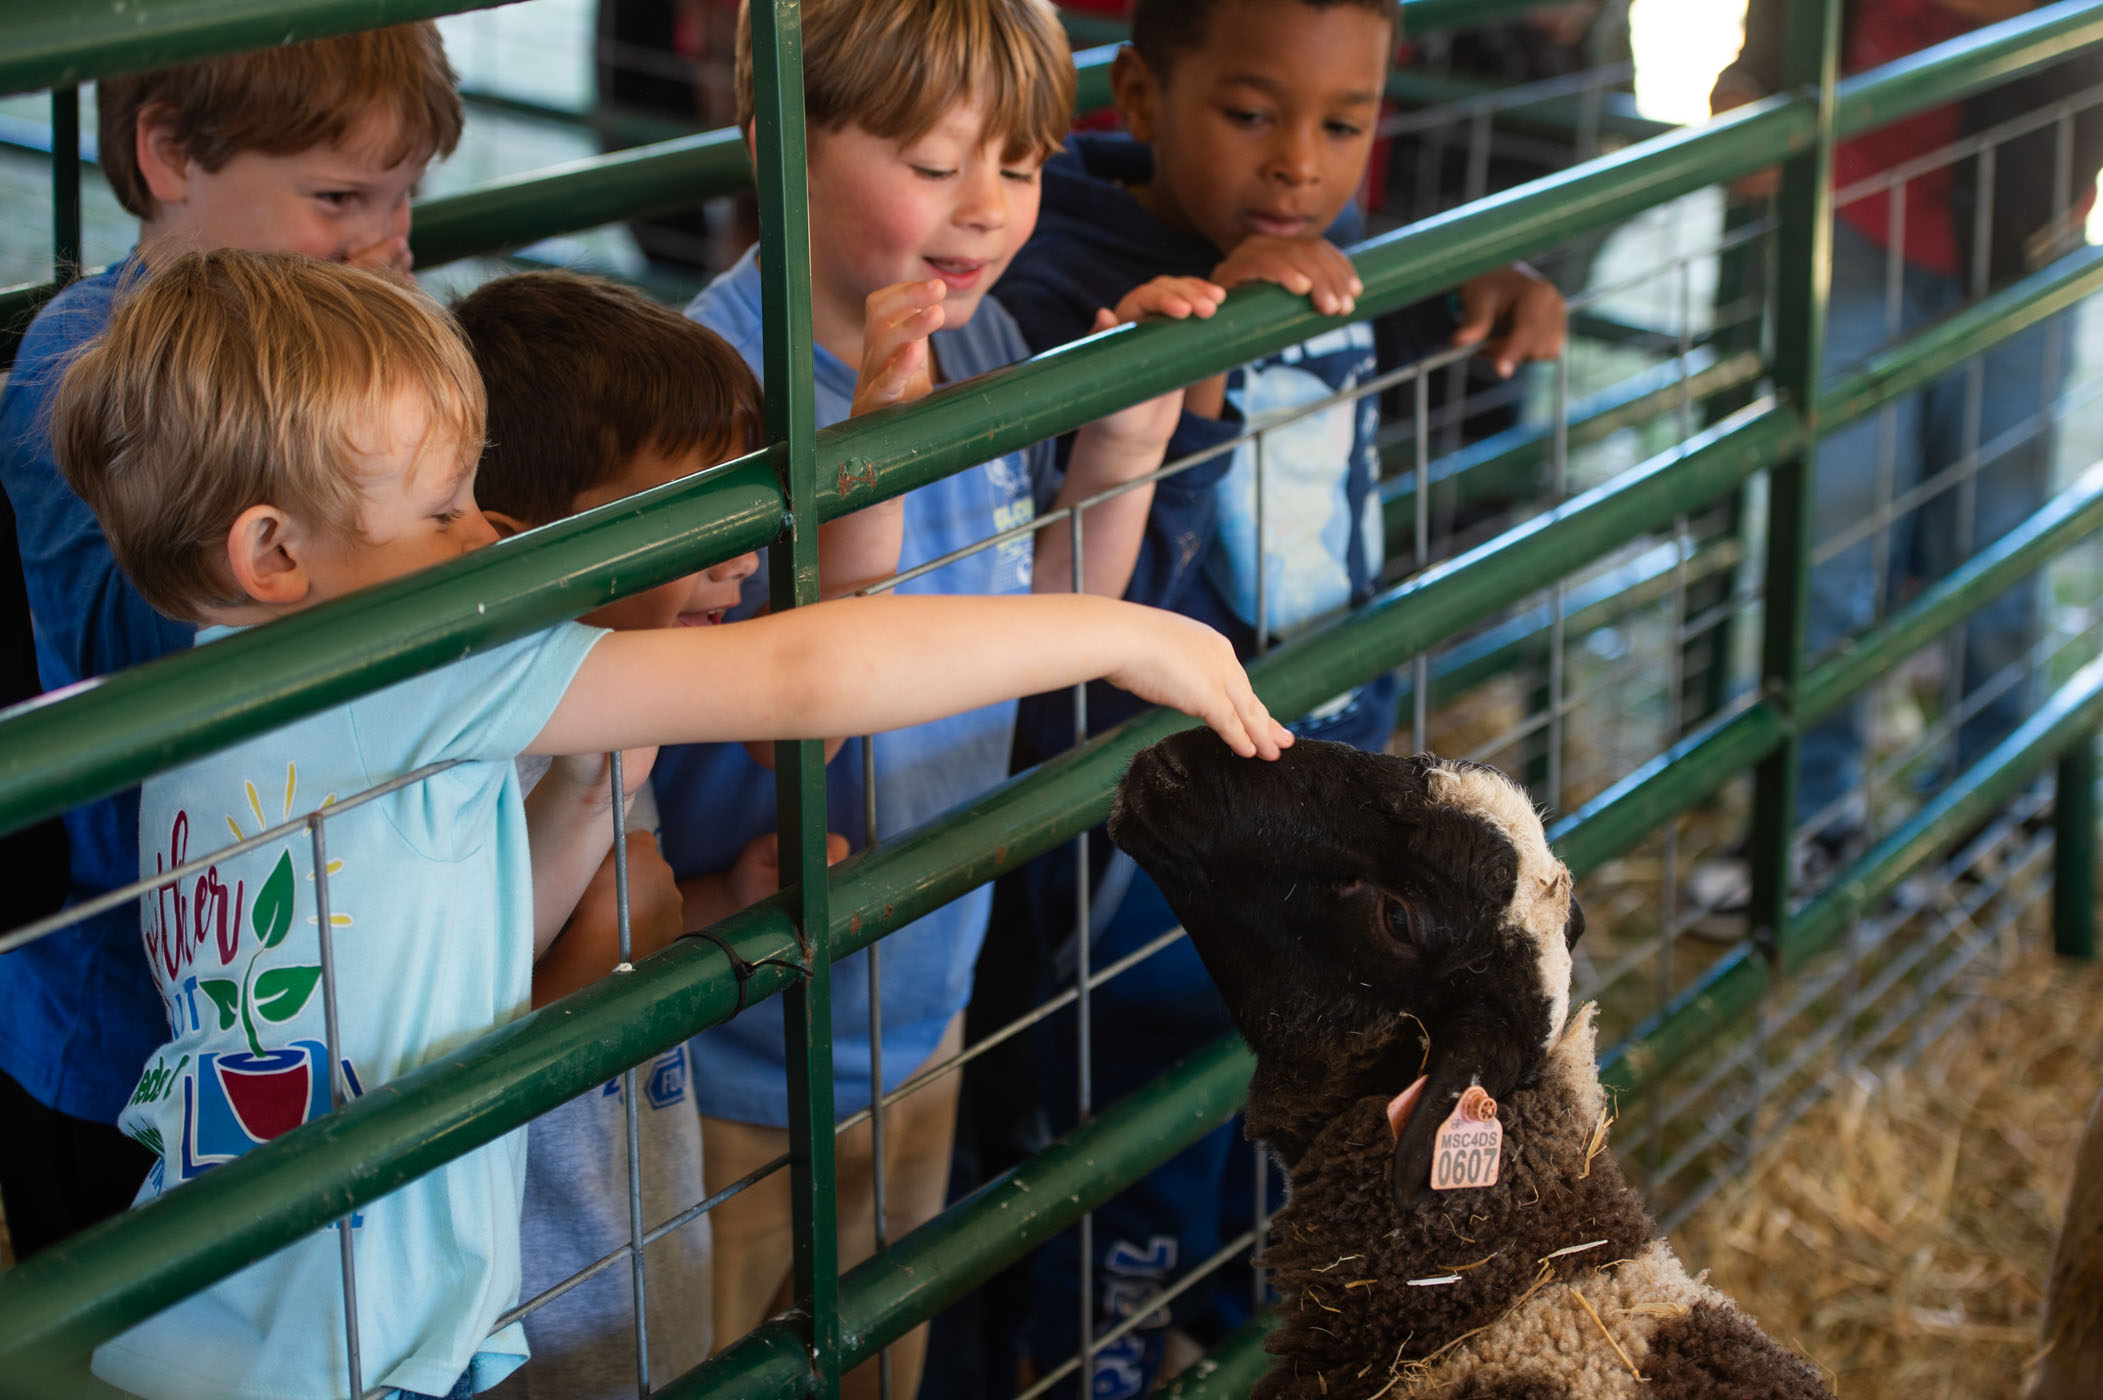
{"points": [[1354, 1326]]}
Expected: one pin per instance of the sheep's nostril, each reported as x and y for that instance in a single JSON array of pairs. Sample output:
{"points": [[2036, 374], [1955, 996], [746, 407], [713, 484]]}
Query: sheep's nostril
{"points": [[1574, 926]]}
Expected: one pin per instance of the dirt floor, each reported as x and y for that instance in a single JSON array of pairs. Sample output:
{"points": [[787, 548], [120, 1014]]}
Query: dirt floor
{"points": [[1900, 1234]]}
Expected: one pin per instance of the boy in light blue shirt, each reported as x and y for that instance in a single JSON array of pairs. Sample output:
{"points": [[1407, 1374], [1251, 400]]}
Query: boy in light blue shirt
{"points": [[258, 434]]}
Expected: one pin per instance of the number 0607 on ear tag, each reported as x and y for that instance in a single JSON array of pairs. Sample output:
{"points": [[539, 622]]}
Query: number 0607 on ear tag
{"points": [[1469, 1144]]}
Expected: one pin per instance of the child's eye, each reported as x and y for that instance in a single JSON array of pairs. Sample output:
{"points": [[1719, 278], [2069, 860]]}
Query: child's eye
{"points": [[336, 199], [449, 517], [1025, 177], [1345, 130], [932, 172], [1242, 116]]}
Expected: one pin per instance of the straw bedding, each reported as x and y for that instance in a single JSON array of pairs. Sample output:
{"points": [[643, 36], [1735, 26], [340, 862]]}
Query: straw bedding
{"points": [[1901, 1233]]}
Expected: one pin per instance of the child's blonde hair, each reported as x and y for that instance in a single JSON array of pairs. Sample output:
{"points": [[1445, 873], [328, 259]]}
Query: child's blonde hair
{"points": [[284, 99], [895, 67], [232, 379]]}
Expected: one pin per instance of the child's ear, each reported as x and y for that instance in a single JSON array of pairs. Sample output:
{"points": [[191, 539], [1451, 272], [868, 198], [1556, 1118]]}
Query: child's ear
{"points": [[1132, 90], [263, 557], [505, 525], [163, 163]]}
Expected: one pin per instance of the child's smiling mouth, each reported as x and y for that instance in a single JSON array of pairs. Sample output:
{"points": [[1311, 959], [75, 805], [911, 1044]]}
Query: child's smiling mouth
{"points": [[960, 273], [707, 617]]}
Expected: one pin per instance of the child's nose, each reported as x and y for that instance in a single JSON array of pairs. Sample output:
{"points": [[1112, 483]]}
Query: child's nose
{"points": [[1296, 157], [735, 570], [982, 203]]}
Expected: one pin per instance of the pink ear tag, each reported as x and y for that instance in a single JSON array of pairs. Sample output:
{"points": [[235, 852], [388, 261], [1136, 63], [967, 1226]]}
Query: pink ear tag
{"points": [[1469, 1144]]}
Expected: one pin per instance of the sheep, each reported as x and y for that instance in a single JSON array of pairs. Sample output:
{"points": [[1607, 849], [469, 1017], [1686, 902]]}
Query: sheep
{"points": [[1390, 934], [2070, 1364]]}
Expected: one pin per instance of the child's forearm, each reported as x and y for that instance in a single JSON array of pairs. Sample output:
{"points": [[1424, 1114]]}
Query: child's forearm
{"points": [[1111, 530], [590, 943], [569, 830], [860, 549], [864, 665]]}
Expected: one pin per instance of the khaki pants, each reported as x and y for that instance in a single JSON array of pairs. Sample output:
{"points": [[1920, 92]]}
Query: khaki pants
{"points": [[752, 1234]]}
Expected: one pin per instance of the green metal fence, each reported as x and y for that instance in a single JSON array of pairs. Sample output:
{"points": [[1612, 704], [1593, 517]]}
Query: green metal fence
{"points": [[73, 748]]}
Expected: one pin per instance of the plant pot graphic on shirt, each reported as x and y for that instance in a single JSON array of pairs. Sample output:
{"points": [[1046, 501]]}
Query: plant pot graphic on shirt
{"points": [[268, 1088], [269, 1093]]}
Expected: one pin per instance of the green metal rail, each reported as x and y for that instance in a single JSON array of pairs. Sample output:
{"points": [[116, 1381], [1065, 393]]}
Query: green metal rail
{"points": [[63, 751]]}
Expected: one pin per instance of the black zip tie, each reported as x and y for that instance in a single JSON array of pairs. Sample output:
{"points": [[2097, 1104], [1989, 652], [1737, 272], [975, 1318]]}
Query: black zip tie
{"points": [[739, 967]]}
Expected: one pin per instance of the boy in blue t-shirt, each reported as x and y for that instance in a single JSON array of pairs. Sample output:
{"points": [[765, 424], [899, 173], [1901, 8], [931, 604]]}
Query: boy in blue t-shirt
{"points": [[303, 148], [927, 125], [258, 434], [1249, 124]]}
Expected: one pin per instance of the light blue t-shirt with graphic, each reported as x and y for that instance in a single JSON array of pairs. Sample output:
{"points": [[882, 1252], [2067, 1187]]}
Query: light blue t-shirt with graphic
{"points": [[714, 799], [431, 912]]}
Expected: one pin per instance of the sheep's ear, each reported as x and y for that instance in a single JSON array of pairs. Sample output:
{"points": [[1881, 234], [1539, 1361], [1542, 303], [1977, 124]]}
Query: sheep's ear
{"points": [[1471, 1050]]}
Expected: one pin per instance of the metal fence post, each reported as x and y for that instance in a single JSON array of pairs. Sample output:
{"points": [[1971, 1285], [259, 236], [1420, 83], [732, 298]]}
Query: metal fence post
{"points": [[2074, 852], [777, 55], [65, 184], [1806, 245]]}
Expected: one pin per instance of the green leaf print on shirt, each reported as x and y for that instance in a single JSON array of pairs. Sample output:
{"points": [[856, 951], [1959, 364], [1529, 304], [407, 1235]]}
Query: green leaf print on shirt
{"points": [[281, 992]]}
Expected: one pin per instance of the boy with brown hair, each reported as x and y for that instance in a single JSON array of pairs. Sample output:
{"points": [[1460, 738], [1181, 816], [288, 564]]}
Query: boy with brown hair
{"points": [[927, 122], [1248, 127], [308, 148], [597, 393], [260, 434]]}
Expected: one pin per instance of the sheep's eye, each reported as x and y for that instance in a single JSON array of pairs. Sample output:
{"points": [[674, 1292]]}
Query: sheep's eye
{"points": [[1401, 919]]}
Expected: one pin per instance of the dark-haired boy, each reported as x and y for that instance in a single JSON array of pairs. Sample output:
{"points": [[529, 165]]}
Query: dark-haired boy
{"points": [[1249, 126], [597, 393], [302, 148]]}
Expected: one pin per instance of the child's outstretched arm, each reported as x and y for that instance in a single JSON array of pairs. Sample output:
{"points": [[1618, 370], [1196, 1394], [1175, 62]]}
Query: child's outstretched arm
{"points": [[864, 665], [1115, 449]]}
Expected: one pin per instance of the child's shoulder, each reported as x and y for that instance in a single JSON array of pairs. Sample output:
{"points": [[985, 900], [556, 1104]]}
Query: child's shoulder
{"points": [[730, 306], [71, 319], [1094, 241]]}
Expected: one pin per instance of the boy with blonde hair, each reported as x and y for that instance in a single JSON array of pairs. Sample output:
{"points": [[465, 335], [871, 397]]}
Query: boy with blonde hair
{"points": [[259, 434], [927, 122], [303, 148]]}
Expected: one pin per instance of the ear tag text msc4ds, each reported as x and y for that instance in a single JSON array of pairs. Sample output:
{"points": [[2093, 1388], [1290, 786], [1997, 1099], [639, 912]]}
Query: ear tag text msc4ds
{"points": [[1469, 1144]]}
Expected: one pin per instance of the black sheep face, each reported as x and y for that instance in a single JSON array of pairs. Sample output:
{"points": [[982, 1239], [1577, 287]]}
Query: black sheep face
{"points": [[1367, 918]]}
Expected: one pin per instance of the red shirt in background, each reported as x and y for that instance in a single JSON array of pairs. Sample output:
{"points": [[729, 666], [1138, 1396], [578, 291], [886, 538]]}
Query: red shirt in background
{"points": [[1878, 32]]}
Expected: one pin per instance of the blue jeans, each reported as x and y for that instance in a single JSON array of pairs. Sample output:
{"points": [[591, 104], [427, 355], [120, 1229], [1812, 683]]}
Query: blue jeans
{"points": [[1928, 433]]}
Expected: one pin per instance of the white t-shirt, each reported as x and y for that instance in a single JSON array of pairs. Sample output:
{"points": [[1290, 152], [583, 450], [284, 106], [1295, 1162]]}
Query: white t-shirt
{"points": [[430, 901]]}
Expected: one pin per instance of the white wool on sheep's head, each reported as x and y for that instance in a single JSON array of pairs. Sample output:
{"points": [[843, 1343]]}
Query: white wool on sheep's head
{"points": [[1540, 904]]}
